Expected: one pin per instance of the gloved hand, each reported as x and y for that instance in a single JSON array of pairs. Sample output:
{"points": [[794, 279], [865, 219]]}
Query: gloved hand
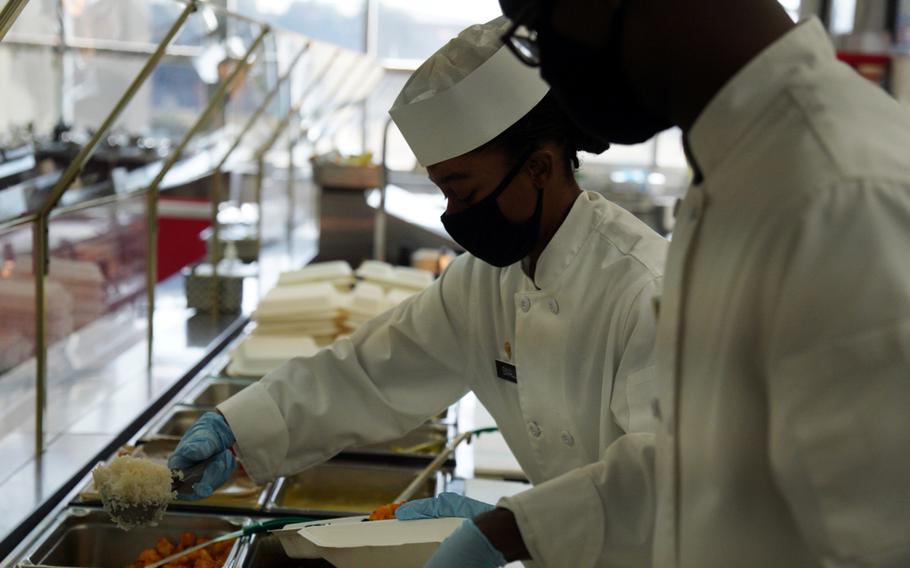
{"points": [[209, 436], [446, 505], [467, 547]]}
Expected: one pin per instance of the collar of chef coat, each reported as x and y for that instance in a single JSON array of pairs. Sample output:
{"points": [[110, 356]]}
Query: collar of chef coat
{"points": [[567, 242], [744, 99]]}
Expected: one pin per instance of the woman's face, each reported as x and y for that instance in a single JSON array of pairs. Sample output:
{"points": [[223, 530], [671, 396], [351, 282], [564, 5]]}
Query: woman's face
{"points": [[469, 178]]}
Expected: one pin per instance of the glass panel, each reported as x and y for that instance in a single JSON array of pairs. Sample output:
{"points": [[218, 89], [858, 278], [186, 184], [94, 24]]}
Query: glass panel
{"points": [[414, 29], [31, 92], [843, 16], [97, 275], [38, 20], [399, 156], [17, 348], [129, 21], [339, 22]]}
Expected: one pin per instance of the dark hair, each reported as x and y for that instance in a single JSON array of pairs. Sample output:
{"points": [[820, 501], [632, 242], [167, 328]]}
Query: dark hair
{"points": [[544, 123]]}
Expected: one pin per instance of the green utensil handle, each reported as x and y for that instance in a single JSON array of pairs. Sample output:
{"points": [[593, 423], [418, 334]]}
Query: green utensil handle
{"points": [[274, 524], [489, 430]]}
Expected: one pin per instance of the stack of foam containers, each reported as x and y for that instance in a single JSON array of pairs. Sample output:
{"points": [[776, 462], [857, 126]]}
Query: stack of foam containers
{"points": [[337, 273], [258, 355], [302, 313], [367, 301], [382, 286], [394, 277], [313, 309]]}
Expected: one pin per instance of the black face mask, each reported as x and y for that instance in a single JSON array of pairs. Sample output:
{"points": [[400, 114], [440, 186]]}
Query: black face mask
{"points": [[591, 85], [486, 233]]}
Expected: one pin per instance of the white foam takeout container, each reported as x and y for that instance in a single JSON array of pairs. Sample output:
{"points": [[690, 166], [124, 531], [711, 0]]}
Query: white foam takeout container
{"points": [[258, 355], [337, 272], [351, 543]]}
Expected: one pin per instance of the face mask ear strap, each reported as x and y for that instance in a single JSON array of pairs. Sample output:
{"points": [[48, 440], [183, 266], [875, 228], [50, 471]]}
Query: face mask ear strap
{"points": [[513, 173]]}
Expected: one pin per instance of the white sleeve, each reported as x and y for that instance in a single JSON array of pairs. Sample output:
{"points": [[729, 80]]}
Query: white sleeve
{"points": [[839, 377], [389, 377], [598, 515]]}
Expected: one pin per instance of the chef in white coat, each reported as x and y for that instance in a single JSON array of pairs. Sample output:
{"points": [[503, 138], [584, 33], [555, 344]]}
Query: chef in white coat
{"points": [[549, 318], [784, 336]]}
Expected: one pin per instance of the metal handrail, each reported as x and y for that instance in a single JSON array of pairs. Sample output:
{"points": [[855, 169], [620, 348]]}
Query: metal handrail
{"points": [[10, 14], [380, 230], [41, 252], [18, 222]]}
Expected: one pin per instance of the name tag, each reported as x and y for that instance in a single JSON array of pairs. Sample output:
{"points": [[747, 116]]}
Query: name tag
{"points": [[506, 372]]}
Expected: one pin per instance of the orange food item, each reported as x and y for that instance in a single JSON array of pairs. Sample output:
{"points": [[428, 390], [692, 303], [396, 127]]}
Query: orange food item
{"points": [[385, 513], [210, 557], [164, 547], [187, 540]]}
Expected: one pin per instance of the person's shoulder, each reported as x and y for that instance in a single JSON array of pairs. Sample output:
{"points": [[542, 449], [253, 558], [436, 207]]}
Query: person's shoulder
{"points": [[863, 130], [468, 270], [627, 235]]}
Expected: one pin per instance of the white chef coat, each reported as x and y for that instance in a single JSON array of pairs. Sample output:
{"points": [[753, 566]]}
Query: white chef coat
{"points": [[784, 332], [580, 335]]}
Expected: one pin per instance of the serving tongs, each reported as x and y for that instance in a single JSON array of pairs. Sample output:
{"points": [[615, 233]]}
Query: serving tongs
{"points": [[139, 515]]}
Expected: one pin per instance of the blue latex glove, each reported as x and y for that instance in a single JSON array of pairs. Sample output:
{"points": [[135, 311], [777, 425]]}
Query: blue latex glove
{"points": [[467, 547], [209, 436], [446, 505]]}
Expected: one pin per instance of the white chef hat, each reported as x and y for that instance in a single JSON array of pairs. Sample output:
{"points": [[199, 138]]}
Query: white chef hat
{"points": [[466, 94]]}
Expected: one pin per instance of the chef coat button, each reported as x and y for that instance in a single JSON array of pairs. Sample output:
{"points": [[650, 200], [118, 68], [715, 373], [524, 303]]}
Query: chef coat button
{"points": [[567, 438], [534, 429], [525, 304], [554, 307]]}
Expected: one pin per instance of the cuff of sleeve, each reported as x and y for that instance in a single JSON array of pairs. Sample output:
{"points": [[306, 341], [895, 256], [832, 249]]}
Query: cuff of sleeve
{"points": [[260, 431], [562, 518]]}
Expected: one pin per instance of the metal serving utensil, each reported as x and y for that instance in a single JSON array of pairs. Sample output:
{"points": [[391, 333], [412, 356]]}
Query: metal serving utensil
{"points": [[134, 515]]}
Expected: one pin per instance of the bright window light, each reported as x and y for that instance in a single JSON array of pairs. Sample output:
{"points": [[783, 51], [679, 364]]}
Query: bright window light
{"points": [[843, 16], [792, 7]]}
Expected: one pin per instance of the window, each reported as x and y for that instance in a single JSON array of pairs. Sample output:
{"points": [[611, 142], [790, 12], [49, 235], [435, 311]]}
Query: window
{"points": [[412, 30], [340, 22], [843, 16]]}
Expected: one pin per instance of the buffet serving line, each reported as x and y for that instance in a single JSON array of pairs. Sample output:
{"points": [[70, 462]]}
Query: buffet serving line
{"points": [[273, 519], [113, 360]]}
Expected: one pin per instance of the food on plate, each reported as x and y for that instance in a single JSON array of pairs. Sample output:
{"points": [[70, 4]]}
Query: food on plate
{"points": [[213, 556], [385, 513]]}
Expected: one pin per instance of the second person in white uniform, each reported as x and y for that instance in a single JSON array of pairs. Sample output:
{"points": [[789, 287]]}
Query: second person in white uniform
{"points": [[548, 319]]}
